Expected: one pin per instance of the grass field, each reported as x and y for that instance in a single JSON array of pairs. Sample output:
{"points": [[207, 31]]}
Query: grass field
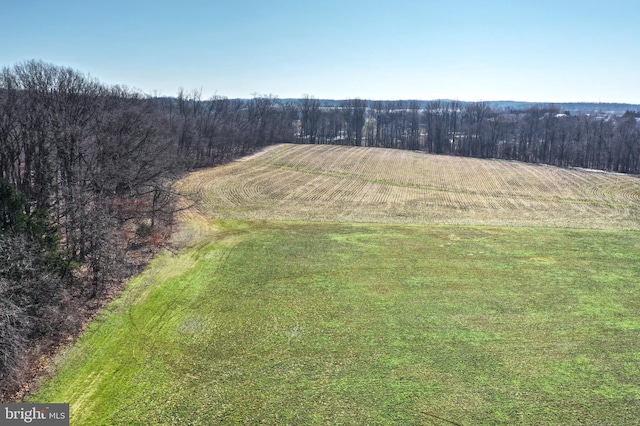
{"points": [[312, 321]]}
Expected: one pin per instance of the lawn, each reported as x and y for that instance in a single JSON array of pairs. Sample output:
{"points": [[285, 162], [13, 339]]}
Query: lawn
{"points": [[303, 323]]}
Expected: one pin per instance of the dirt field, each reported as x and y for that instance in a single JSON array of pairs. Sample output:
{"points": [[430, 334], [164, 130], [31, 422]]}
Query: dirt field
{"points": [[357, 184]]}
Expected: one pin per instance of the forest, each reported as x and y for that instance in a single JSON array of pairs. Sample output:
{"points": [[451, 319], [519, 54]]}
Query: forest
{"points": [[87, 173]]}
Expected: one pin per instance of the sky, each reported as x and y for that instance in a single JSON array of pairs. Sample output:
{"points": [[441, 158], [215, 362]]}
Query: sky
{"points": [[521, 50]]}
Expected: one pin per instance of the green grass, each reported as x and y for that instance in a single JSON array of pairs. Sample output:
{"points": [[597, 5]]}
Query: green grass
{"points": [[294, 323]]}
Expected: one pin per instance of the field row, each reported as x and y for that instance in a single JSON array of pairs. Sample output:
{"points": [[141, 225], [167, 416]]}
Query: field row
{"points": [[337, 183]]}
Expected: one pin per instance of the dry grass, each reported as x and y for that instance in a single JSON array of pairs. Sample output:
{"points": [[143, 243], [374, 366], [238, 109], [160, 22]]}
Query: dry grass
{"points": [[358, 184]]}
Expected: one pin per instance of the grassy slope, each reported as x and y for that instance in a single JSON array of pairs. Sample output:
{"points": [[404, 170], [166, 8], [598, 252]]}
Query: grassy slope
{"points": [[368, 324]]}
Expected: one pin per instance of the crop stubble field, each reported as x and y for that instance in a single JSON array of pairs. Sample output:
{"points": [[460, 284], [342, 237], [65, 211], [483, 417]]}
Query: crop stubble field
{"points": [[336, 285], [357, 184]]}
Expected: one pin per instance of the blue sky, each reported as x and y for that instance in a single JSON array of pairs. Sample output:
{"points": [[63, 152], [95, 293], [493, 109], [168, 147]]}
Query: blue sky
{"points": [[542, 51]]}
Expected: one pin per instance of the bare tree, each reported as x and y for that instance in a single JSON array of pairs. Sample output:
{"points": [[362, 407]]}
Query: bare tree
{"points": [[310, 119], [354, 117]]}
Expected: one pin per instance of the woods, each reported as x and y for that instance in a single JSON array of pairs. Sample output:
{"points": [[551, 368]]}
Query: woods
{"points": [[86, 174], [539, 134]]}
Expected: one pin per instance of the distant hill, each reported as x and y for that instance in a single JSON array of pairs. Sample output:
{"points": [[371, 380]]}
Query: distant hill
{"points": [[584, 107], [574, 107]]}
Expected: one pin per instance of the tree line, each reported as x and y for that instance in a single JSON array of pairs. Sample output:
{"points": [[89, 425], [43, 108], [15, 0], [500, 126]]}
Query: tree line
{"points": [[539, 134], [87, 173]]}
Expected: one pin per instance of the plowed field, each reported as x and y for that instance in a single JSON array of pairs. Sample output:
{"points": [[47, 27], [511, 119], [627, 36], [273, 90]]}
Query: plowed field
{"points": [[357, 184]]}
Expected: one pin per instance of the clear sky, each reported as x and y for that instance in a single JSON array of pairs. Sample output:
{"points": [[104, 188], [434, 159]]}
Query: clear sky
{"points": [[524, 50]]}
